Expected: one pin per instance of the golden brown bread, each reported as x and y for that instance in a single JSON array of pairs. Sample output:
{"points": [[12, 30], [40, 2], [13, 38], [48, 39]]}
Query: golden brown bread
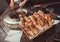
{"points": [[34, 23]]}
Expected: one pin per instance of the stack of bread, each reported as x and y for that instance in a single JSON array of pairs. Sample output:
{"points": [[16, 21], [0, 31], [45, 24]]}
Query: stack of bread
{"points": [[35, 23]]}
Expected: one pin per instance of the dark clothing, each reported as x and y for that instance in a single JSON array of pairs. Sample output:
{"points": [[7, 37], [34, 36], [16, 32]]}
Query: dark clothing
{"points": [[34, 2], [8, 1], [3, 6]]}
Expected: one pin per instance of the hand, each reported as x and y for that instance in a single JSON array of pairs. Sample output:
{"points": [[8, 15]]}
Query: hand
{"points": [[21, 4], [12, 5]]}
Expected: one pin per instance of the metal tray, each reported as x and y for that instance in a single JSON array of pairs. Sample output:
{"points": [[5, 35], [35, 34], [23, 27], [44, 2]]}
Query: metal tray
{"points": [[42, 31]]}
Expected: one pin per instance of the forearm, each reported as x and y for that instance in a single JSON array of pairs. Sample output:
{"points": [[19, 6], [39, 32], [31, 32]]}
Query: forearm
{"points": [[12, 1], [24, 1]]}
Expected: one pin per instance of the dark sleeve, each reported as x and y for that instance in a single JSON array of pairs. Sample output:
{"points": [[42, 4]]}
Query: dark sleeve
{"points": [[8, 1]]}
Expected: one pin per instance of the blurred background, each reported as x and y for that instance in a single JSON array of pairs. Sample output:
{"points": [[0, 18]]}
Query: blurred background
{"points": [[4, 5]]}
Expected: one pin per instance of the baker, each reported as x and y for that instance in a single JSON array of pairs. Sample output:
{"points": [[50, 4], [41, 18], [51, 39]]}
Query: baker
{"points": [[12, 3]]}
